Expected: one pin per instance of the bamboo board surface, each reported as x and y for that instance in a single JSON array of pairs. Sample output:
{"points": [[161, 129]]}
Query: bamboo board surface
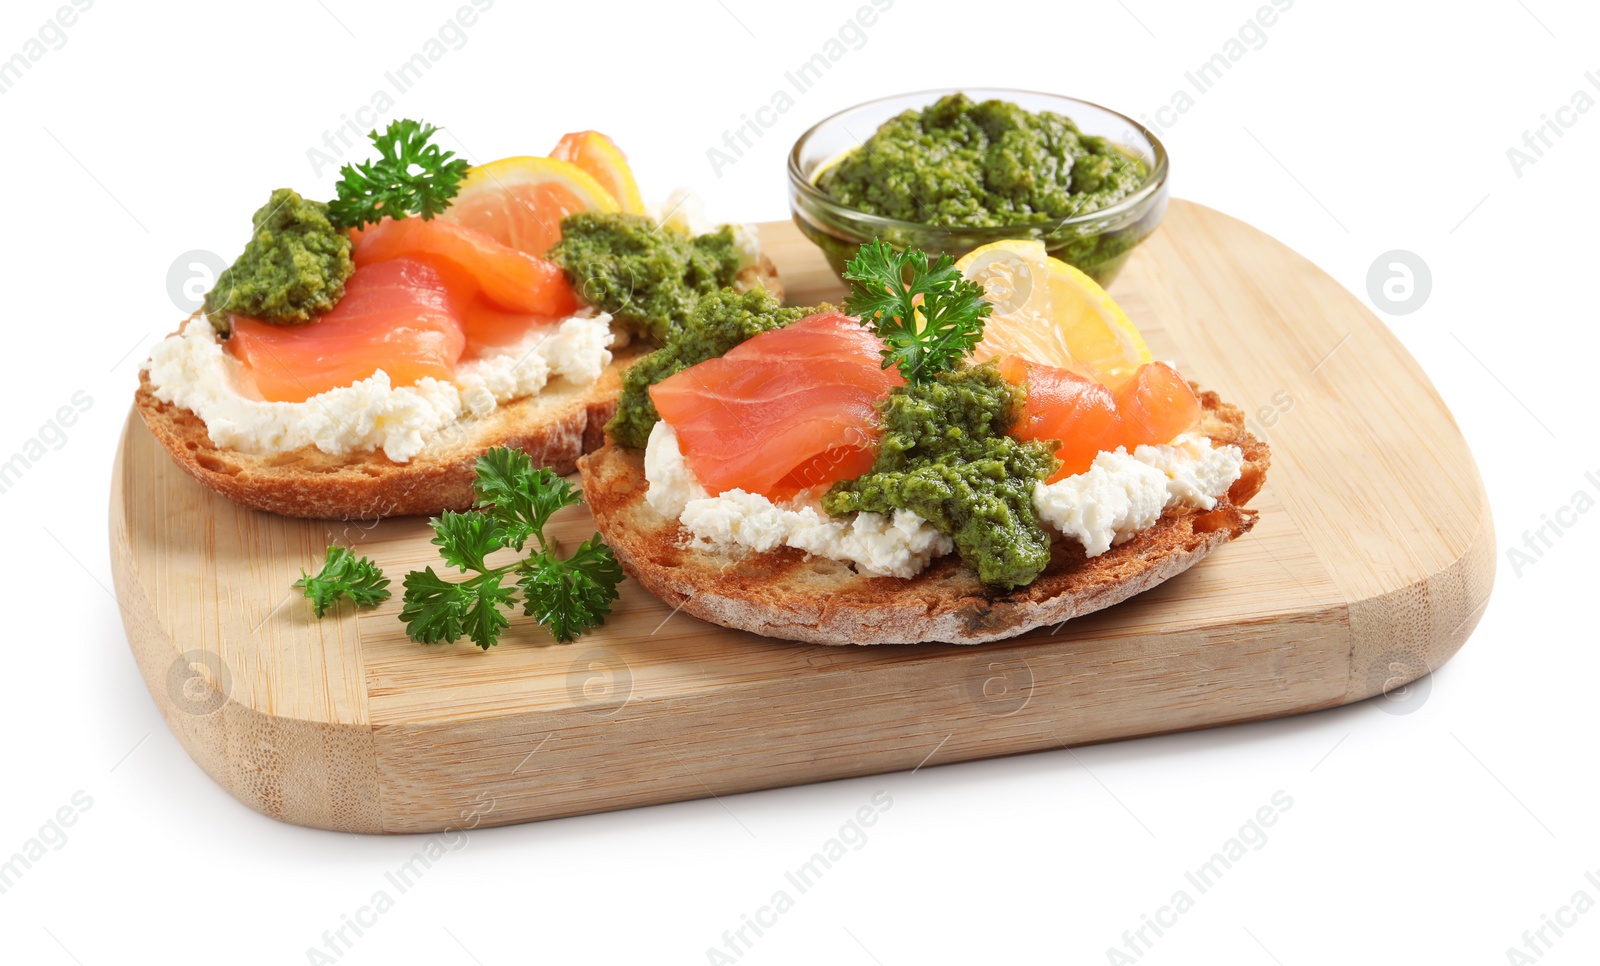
{"points": [[1370, 565]]}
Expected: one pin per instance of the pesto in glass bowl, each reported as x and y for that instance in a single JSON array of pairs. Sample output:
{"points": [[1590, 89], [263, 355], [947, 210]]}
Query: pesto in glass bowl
{"points": [[950, 171]]}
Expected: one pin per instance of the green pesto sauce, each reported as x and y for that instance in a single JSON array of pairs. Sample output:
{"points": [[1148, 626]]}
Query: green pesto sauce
{"points": [[961, 163], [718, 322], [647, 276], [293, 268], [945, 456]]}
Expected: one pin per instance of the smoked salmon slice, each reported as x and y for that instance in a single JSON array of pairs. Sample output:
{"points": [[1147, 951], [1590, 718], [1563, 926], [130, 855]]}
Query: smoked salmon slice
{"points": [[787, 410], [399, 316], [1157, 404], [1069, 407], [490, 326], [1085, 417], [487, 324], [512, 280]]}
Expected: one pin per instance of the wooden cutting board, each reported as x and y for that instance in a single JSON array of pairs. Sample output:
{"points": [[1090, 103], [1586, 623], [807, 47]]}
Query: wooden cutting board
{"points": [[1370, 565]]}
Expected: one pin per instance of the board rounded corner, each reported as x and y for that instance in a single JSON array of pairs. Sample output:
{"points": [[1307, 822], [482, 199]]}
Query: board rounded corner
{"points": [[315, 774], [1401, 636]]}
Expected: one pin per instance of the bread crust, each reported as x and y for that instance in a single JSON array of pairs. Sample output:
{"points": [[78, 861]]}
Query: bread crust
{"points": [[789, 594], [555, 427]]}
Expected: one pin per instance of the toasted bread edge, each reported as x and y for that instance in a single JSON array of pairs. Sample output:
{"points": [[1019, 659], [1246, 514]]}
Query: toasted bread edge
{"points": [[786, 593]]}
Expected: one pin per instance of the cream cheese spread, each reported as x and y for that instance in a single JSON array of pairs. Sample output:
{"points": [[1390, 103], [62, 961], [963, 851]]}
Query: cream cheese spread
{"points": [[898, 545], [1121, 494], [193, 370]]}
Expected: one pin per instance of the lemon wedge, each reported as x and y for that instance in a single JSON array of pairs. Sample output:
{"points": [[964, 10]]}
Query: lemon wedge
{"points": [[520, 201], [1047, 311], [600, 157]]}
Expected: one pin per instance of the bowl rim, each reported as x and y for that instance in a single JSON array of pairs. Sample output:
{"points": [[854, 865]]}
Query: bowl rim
{"points": [[1154, 182]]}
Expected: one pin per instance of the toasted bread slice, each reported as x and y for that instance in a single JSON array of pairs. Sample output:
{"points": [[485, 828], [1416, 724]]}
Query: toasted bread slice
{"points": [[787, 593], [555, 427]]}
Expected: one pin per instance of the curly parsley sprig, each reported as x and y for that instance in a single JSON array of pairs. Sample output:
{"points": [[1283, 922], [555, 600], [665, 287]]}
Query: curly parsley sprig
{"points": [[344, 574], [513, 503], [929, 321], [410, 177]]}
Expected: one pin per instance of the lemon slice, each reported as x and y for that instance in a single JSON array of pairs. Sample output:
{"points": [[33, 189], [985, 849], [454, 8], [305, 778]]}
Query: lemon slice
{"points": [[600, 157], [1047, 311], [520, 201]]}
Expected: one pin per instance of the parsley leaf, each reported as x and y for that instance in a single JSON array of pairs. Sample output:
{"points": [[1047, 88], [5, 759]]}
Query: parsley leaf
{"points": [[513, 503], [517, 496], [596, 561], [433, 607], [483, 619], [465, 539], [573, 595], [410, 176], [344, 574], [927, 323]]}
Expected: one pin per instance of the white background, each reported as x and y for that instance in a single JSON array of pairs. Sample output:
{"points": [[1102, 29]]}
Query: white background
{"points": [[1437, 836]]}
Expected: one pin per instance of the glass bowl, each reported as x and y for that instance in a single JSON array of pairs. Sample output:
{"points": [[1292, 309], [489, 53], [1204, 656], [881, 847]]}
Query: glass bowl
{"points": [[1097, 242]]}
